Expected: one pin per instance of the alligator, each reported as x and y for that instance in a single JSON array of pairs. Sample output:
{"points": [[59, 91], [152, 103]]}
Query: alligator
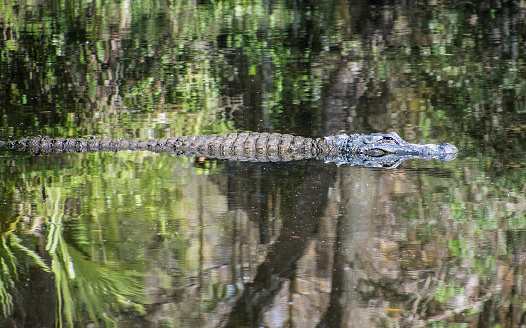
{"points": [[372, 150]]}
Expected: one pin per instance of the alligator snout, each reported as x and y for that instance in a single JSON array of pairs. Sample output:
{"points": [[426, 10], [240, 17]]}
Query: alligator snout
{"points": [[448, 148], [377, 145]]}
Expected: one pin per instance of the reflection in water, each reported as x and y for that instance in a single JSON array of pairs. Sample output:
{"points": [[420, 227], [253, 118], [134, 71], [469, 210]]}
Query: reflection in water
{"points": [[271, 244], [303, 206], [143, 239]]}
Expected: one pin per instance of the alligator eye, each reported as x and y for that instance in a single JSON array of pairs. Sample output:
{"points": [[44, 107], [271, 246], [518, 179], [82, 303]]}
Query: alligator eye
{"points": [[390, 139]]}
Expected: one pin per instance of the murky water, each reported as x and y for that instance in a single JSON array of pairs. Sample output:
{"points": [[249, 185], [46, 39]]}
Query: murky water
{"points": [[141, 239]]}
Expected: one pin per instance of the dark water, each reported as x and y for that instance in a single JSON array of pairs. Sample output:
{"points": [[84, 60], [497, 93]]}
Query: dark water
{"points": [[138, 239]]}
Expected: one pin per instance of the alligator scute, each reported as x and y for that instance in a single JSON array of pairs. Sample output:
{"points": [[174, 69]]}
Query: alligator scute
{"points": [[371, 150]]}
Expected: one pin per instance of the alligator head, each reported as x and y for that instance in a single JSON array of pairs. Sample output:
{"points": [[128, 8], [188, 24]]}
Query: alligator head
{"points": [[378, 145]]}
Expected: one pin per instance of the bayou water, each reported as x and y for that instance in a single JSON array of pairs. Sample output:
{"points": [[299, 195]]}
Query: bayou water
{"points": [[139, 239]]}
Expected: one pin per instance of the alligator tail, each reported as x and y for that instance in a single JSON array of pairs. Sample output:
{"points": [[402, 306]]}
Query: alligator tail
{"points": [[258, 147]]}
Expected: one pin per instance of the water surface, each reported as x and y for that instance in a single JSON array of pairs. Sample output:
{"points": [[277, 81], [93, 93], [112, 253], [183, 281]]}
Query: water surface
{"points": [[156, 240]]}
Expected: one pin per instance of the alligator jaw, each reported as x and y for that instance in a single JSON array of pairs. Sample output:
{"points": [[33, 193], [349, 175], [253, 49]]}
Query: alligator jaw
{"points": [[377, 144]]}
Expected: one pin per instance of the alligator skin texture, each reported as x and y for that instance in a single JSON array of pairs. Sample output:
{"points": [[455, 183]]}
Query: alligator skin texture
{"points": [[379, 150], [260, 147]]}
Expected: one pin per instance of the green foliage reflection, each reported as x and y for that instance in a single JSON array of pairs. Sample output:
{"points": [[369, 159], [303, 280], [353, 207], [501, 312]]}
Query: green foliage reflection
{"points": [[13, 254], [86, 290]]}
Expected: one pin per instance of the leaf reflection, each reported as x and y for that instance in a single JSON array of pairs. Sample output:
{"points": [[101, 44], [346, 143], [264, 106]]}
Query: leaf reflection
{"points": [[84, 284]]}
